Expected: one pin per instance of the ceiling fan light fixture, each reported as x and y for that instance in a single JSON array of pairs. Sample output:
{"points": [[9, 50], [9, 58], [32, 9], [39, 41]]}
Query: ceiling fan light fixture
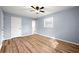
{"points": [[37, 11]]}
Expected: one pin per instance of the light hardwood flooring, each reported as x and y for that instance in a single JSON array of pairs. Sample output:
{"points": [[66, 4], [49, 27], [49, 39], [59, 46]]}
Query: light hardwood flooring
{"points": [[37, 44]]}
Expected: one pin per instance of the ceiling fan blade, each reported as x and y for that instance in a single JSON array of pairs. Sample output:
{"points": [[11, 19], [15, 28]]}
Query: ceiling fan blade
{"points": [[42, 8], [33, 7], [42, 11]]}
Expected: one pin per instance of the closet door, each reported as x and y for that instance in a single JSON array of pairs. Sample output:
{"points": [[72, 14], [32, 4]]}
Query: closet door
{"points": [[33, 26], [15, 26]]}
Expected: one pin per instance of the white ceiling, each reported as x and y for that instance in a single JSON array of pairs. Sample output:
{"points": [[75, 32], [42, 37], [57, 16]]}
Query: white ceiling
{"points": [[26, 11]]}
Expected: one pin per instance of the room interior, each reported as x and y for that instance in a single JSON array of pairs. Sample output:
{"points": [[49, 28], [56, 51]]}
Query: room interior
{"points": [[39, 29]]}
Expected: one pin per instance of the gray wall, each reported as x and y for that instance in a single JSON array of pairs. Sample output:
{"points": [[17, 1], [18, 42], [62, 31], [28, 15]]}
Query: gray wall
{"points": [[66, 25], [0, 23], [26, 25], [1, 26], [7, 26]]}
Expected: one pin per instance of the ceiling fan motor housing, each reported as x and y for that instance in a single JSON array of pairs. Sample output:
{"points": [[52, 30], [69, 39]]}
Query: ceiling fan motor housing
{"points": [[37, 8]]}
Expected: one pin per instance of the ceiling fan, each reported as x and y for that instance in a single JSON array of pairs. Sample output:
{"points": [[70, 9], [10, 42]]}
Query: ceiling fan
{"points": [[38, 9]]}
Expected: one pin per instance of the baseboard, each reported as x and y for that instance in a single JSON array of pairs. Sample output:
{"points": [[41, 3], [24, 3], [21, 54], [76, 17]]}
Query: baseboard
{"points": [[42, 35], [25, 35], [18, 36], [58, 39], [11, 38]]}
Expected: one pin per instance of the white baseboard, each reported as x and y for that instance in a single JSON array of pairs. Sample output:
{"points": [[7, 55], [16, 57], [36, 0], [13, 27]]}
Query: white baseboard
{"points": [[25, 35], [42, 35], [18, 36], [58, 39], [11, 38]]}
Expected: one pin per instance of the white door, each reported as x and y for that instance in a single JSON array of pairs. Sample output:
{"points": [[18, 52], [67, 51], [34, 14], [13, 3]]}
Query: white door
{"points": [[15, 26], [33, 26]]}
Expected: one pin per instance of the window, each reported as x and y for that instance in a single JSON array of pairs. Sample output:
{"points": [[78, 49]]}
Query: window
{"points": [[48, 22]]}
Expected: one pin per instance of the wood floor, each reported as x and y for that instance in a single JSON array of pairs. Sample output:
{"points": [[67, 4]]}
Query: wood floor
{"points": [[37, 44]]}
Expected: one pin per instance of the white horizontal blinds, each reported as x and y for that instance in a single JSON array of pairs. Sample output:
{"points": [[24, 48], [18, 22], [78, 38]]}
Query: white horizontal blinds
{"points": [[33, 26], [15, 26], [48, 22]]}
